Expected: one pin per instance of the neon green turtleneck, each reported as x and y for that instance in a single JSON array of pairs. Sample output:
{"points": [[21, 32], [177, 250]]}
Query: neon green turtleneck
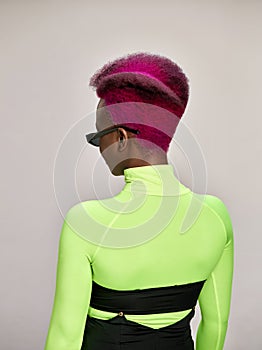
{"points": [[134, 241]]}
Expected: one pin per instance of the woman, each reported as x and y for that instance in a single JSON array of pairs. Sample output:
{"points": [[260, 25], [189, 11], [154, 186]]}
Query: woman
{"points": [[126, 276]]}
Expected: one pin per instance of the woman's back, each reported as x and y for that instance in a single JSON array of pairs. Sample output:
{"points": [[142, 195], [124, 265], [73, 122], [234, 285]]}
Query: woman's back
{"points": [[134, 241]]}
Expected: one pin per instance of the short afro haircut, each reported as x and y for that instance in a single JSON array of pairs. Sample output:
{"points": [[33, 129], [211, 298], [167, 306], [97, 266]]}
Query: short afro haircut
{"points": [[149, 80]]}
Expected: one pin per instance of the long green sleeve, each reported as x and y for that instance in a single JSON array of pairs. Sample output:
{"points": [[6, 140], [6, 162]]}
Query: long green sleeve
{"points": [[73, 292], [215, 297]]}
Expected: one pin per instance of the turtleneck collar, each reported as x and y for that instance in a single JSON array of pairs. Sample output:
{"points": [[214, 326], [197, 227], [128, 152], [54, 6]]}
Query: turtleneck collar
{"points": [[156, 179]]}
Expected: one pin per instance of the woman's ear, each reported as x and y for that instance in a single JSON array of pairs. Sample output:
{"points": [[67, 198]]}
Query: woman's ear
{"points": [[123, 136]]}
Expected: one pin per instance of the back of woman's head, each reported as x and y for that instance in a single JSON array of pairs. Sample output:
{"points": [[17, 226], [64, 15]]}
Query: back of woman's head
{"points": [[147, 80]]}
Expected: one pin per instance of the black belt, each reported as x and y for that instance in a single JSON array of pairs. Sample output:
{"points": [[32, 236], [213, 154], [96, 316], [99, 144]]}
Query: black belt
{"points": [[146, 301]]}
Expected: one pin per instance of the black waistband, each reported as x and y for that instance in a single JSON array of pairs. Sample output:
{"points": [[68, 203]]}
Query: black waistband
{"points": [[146, 301]]}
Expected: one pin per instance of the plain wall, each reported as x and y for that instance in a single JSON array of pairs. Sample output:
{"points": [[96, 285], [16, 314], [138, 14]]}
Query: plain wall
{"points": [[49, 50]]}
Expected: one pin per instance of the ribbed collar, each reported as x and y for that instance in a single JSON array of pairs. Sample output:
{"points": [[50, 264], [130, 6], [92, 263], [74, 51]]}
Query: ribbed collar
{"points": [[156, 179]]}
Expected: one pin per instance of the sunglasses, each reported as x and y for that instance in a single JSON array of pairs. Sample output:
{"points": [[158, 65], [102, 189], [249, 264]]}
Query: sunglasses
{"points": [[94, 137]]}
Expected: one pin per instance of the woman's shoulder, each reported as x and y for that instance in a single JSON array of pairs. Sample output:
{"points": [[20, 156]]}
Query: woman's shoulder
{"points": [[218, 206]]}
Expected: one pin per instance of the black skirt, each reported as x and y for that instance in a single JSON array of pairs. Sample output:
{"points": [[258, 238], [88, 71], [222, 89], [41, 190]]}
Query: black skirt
{"points": [[118, 333]]}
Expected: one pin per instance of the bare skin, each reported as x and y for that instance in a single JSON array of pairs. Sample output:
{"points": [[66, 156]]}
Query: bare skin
{"points": [[120, 149]]}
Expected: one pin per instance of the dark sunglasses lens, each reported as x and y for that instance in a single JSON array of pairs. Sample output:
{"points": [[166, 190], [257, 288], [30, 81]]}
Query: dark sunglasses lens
{"points": [[91, 140], [95, 142]]}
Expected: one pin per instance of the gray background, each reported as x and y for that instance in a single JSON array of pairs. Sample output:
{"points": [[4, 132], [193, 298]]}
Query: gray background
{"points": [[49, 50]]}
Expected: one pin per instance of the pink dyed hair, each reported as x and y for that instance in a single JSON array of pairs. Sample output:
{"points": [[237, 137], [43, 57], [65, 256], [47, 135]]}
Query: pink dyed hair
{"points": [[147, 79]]}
